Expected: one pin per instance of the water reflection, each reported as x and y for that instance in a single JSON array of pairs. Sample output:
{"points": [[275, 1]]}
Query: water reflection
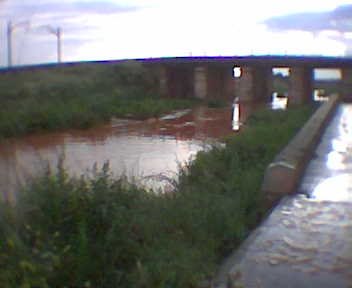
{"points": [[144, 150], [236, 123], [335, 161], [337, 188], [278, 102], [148, 151], [319, 95], [333, 166], [339, 146], [241, 110]]}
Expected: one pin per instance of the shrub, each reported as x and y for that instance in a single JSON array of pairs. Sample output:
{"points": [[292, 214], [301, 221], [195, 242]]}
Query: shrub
{"points": [[78, 97], [103, 232]]}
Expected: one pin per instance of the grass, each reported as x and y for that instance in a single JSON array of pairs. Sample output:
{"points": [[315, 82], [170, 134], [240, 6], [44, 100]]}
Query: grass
{"points": [[78, 96], [105, 232]]}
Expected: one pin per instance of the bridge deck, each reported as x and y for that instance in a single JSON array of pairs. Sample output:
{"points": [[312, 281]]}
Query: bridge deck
{"points": [[269, 60]]}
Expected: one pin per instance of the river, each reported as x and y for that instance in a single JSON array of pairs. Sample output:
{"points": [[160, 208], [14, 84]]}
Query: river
{"points": [[149, 152]]}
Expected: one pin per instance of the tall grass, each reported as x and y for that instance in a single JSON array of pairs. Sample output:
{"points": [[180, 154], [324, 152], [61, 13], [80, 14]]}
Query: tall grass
{"points": [[78, 96], [105, 232]]}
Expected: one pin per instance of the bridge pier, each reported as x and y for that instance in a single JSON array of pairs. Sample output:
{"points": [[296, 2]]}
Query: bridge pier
{"points": [[301, 85], [176, 81], [255, 84], [163, 81], [214, 82], [221, 82], [346, 84], [202, 82]]}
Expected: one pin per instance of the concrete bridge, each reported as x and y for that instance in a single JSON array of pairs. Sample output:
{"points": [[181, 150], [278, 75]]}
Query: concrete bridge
{"points": [[213, 77]]}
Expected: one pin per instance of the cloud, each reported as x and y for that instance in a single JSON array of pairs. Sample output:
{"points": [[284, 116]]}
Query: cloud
{"points": [[339, 20], [32, 8], [102, 8], [73, 16], [91, 7]]}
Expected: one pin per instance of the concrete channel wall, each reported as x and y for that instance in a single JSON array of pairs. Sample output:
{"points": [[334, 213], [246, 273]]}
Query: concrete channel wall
{"points": [[282, 176]]}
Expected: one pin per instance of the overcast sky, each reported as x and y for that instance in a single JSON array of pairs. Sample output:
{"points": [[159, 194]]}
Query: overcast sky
{"points": [[115, 29]]}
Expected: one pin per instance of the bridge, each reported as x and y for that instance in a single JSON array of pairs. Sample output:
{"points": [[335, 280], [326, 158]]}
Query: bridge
{"points": [[213, 77]]}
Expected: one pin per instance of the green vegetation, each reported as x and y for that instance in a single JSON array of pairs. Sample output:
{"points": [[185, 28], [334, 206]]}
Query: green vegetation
{"points": [[281, 85], [78, 96], [103, 232], [329, 86]]}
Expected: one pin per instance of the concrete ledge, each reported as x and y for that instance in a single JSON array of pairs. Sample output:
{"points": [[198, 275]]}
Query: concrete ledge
{"points": [[282, 176]]}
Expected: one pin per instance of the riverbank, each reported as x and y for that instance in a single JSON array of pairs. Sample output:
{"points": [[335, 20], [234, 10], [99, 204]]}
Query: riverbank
{"points": [[78, 96], [104, 232], [302, 242], [145, 151]]}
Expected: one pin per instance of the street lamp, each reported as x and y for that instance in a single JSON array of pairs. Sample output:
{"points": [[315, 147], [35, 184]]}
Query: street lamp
{"points": [[10, 29]]}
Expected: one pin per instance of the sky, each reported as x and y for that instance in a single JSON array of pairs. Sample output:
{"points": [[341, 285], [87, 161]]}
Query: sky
{"points": [[119, 29]]}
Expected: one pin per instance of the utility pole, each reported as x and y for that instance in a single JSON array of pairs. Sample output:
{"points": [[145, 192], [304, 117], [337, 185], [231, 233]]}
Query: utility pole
{"points": [[58, 35], [9, 43], [10, 29]]}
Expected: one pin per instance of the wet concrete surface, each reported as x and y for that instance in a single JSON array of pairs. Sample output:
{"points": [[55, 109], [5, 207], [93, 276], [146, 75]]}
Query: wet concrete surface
{"points": [[329, 173], [307, 239]]}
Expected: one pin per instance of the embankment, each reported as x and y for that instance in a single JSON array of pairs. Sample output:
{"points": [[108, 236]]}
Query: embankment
{"points": [[283, 174]]}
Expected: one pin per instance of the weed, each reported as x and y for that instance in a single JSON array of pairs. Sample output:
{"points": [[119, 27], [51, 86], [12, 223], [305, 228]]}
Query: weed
{"points": [[103, 232], [78, 96]]}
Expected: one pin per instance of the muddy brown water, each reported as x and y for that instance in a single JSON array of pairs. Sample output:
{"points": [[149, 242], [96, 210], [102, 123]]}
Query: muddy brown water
{"points": [[149, 152]]}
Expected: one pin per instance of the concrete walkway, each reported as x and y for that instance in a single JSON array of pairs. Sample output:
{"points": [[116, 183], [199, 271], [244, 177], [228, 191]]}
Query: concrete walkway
{"points": [[307, 240]]}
